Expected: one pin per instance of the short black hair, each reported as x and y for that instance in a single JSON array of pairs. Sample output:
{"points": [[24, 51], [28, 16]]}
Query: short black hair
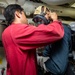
{"points": [[9, 12]]}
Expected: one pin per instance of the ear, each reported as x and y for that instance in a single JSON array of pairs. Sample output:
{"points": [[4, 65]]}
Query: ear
{"points": [[17, 14]]}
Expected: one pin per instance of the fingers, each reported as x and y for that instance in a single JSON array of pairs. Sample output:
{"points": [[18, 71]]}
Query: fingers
{"points": [[53, 16]]}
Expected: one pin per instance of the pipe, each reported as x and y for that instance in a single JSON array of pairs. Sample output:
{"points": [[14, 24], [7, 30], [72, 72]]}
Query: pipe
{"points": [[57, 2]]}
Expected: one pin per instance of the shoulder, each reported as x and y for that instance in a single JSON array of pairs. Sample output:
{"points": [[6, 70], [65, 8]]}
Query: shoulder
{"points": [[66, 26]]}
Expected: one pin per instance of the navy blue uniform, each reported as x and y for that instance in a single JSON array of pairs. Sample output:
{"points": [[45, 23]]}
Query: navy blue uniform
{"points": [[58, 53]]}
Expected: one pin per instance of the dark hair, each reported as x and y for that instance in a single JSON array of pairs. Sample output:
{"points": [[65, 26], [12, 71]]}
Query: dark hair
{"points": [[9, 12]]}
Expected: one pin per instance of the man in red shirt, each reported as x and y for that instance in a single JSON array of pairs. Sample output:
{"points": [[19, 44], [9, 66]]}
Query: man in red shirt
{"points": [[20, 40]]}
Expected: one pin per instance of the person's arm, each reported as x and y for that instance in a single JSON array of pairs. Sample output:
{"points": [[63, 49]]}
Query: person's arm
{"points": [[29, 37], [46, 51]]}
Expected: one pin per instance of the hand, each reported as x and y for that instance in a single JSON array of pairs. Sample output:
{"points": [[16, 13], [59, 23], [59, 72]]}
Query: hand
{"points": [[41, 60], [47, 15], [53, 16]]}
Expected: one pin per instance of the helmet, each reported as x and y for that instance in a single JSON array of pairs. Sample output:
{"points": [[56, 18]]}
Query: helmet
{"points": [[39, 15]]}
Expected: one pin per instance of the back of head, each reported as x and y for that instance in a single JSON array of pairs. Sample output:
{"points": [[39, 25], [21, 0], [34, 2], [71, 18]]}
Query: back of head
{"points": [[9, 12]]}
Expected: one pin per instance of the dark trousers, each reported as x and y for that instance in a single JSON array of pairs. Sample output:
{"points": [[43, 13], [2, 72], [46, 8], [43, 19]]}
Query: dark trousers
{"points": [[69, 71], [48, 73]]}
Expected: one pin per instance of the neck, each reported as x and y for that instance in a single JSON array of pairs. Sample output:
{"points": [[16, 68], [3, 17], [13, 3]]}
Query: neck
{"points": [[16, 21]]}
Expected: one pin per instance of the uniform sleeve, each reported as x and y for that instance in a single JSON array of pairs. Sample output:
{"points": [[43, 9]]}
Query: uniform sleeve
{"points": [[46, 51], [29, 37]]}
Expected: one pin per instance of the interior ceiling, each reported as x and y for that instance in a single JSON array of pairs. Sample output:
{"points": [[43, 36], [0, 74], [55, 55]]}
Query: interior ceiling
{"points": [[65, 8], [57, 2], [50, 2]]}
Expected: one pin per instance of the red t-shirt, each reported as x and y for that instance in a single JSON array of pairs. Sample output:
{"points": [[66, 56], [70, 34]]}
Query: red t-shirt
{"points": [[20, 42]]}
